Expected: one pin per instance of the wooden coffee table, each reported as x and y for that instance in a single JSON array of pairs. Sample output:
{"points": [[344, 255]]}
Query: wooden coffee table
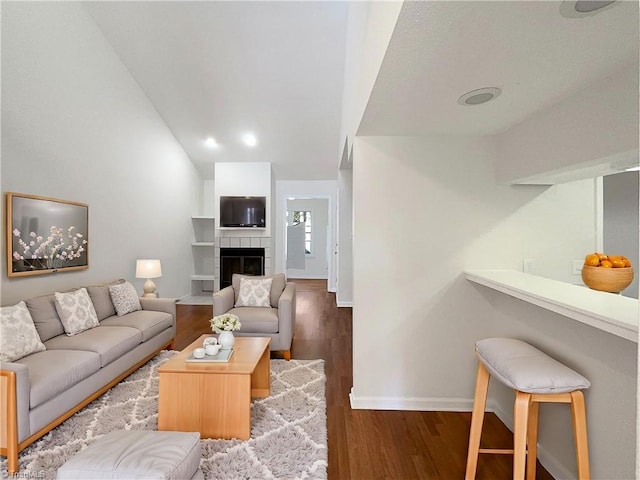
{"points": [[214, 398]]}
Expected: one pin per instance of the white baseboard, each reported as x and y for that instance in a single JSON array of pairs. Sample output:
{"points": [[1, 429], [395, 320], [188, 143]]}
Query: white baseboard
{"points": [[344, 304], [425, 404]]}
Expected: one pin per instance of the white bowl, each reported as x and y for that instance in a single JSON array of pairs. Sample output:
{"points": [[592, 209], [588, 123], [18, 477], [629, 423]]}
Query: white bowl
{"points": [[199, 353], [212, 349]]}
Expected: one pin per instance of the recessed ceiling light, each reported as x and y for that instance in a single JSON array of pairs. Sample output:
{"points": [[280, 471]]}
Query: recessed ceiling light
{"points": [[250, 140], [479, 96], [584, 8], [211, 142]]}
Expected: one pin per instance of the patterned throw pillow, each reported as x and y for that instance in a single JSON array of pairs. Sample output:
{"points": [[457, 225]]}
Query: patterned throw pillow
{"points": [[254, 292], [76, 311], [125, 298], [18, 334]]}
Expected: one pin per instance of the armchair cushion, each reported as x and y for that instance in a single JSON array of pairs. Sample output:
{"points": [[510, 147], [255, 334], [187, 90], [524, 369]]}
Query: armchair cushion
{"points": [[254, 292], [278, 282], [257, 319]]}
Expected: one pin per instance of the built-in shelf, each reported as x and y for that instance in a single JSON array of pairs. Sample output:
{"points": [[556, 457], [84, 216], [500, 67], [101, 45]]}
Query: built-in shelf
{"points": [[612, 313], [202, 277], [203, 254]]}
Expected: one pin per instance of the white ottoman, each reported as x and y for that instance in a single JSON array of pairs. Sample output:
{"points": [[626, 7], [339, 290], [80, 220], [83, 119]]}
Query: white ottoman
{"points": [[137, 454]]}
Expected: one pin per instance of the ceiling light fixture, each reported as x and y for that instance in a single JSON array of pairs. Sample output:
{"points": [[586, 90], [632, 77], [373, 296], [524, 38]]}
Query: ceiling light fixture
{"points": [[250, 140], [584, 8], [479, 96], [211, 142]]}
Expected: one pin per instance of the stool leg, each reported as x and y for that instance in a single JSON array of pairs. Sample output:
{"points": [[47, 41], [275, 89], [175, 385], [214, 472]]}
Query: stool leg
{"points": [[532, 440], [477, 418], [580, 434], [520, 423]]}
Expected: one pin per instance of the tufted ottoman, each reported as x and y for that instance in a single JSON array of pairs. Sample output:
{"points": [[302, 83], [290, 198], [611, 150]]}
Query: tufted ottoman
{"points": [[137, 454]]}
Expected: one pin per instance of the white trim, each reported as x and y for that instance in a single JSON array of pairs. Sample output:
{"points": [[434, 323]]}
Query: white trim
{"points": [[425, 404], [344, 304]]}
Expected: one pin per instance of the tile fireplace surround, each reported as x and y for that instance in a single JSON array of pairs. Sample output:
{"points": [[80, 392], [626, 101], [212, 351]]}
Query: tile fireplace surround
{"points": [[241, 242]]}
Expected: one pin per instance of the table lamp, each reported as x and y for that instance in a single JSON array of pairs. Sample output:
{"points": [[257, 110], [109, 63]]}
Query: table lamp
{"points": [[149, 268]]}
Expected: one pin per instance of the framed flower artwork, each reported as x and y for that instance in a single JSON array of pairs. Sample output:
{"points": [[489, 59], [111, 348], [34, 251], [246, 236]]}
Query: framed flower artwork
{"points": [[45, 235]]}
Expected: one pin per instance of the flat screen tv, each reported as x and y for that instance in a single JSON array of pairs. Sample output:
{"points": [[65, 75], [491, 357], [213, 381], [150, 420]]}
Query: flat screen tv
{"points": [[243, 212]]}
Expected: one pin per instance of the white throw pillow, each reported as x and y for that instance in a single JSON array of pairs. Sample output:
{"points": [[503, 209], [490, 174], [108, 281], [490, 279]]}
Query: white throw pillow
{"points": [[18, 334], [125, 298], [76, 311], [254, 292]]}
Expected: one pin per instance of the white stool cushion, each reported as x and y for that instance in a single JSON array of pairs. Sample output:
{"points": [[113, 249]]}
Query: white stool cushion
{"points": [[137, 454], [525, 368]]}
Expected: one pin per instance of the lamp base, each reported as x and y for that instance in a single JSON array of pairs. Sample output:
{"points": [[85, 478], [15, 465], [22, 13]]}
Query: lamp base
{"points": [[149, 289]]}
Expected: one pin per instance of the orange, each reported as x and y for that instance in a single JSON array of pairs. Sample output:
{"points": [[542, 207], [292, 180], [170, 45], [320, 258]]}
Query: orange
{"points": [[627, 262], [602, 256], [606, 264], [617, 263], [592, 260]]}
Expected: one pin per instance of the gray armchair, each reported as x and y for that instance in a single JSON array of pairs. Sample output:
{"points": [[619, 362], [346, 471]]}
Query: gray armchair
{"points": [[276, 321]]}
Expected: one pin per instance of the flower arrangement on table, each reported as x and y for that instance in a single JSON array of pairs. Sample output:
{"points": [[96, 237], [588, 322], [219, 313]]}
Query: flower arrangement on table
{"points": [[227, 322], [53, 251]]}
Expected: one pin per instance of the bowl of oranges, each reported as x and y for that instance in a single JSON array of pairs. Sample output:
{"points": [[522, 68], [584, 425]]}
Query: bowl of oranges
{"points": [[607, 273]]}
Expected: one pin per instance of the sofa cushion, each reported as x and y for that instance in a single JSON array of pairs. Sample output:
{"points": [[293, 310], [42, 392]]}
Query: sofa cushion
{"points": [[125, 298], [278, 282], [45, 316], [254, 292], [53, 371], [150, 323], [257, 319], [18, 334], [109, 342], [101, 299], [76, 311]]}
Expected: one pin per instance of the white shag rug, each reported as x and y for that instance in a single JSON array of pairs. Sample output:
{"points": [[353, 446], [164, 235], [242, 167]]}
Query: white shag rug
{"points": [[288, 428]]}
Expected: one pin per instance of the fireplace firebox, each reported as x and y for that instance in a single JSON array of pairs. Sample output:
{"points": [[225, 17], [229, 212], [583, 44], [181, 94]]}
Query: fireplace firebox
{"points": [[247, 261]]}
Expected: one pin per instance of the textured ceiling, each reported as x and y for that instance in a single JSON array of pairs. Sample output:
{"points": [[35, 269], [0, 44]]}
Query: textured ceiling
{"points": [[441, 50]]}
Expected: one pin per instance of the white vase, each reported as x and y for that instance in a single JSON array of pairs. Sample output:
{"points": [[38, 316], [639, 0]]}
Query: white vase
{"points": [[226, 340]]}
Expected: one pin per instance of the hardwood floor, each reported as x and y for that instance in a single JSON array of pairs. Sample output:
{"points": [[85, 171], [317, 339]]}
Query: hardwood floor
{"points": [[368, 444]]}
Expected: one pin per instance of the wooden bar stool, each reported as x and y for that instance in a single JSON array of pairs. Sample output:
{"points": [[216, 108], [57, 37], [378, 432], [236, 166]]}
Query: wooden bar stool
{"points": [[536, 378]]}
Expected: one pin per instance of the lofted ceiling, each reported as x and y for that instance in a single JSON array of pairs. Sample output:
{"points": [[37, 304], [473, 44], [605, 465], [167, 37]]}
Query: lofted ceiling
{"points": [[276, 69], [441, 50], [223, 69]]}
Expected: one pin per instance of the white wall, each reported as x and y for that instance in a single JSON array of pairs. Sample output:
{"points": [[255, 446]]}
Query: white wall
{"points": [[303, 189], [76, 126], [425, 209], [344, 288], [597, 125], [316, 264], [369, 29], [246, 178]]}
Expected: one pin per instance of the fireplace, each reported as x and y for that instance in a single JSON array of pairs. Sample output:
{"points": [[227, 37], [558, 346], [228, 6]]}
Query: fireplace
{"points": [[248, 261]]}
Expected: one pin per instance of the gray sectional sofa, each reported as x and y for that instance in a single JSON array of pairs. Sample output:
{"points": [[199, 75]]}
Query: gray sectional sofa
{"points": [[42, 389]]}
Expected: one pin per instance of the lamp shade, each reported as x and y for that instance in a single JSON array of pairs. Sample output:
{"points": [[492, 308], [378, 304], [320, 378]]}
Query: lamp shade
{"points": [[149, 268]]}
